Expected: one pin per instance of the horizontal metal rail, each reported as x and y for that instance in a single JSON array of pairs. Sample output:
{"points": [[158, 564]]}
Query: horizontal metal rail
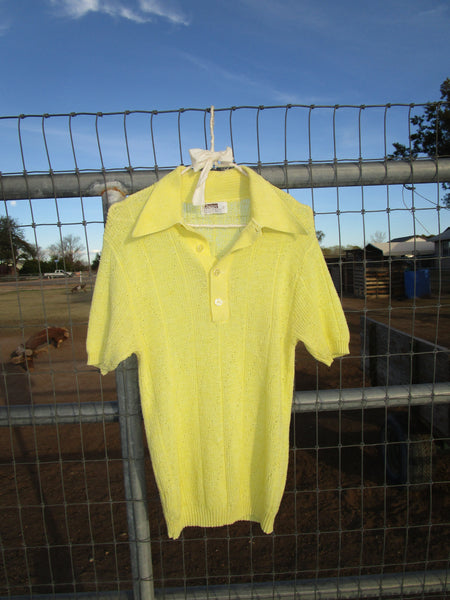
{"points": [[309, 401], [292, 176], [65, 413], [120, 595], [365, 586], [387, 585], [372, 397]]}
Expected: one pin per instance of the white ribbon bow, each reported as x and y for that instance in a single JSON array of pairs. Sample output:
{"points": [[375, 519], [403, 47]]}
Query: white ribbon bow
{"points": [[206, 160]]}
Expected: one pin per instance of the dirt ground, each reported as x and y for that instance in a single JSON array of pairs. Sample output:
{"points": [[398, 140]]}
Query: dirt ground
{"points": [[63, 517]]}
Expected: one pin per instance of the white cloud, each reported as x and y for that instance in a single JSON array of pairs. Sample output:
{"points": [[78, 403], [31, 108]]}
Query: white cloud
{"points": [[140, 11], [167, 9], [76, 8], [437, 12]]}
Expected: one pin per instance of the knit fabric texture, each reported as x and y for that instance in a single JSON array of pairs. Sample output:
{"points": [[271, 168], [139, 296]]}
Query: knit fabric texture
{"points": [[213, 314]]}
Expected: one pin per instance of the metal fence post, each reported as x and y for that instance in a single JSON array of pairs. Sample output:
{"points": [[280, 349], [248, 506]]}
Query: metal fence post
{"points": [[132, 442]]}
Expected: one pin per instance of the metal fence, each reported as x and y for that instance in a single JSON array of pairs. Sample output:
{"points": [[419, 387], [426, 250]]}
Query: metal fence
{"points": [[366, 506]]}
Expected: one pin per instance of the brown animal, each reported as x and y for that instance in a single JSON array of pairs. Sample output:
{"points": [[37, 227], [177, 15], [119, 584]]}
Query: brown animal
{"points": [[38, 342], [81, 287]]}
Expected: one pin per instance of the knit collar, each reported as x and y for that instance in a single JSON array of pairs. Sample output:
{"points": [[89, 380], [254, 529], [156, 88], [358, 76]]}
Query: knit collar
{"points": [[163, 208]]}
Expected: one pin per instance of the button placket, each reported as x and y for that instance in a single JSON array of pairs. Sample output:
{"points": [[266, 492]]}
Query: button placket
{"points": [[200, 247], [218, 281]]}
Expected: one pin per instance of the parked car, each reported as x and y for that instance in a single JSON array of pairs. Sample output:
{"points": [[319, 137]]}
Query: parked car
{"points": [[58, 273]]}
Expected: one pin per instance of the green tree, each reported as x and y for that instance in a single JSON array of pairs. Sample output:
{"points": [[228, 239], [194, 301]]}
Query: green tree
{"points": [[338, 250], [13, 245], [34, 266], [96, 262], [432, 134]]}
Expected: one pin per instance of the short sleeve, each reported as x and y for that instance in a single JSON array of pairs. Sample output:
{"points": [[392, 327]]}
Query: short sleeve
{"points": [[318, 317], [110, 337]]}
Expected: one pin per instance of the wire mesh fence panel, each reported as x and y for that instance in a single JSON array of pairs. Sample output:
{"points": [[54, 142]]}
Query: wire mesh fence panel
{"points": [[365, 511]]}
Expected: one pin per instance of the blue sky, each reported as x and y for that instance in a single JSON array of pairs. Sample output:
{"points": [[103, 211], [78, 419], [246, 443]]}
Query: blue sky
{"points": [[62, 56], [74, 55]]}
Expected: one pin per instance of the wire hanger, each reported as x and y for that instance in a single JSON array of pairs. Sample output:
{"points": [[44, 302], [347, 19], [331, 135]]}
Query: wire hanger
{"points": [[205, 160]]}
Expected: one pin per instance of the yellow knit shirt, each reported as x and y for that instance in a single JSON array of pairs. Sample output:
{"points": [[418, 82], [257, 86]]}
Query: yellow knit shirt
{"points": [[213, 315]]}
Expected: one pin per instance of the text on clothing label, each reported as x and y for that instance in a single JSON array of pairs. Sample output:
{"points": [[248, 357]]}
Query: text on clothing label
{"points": [[215, 208]]}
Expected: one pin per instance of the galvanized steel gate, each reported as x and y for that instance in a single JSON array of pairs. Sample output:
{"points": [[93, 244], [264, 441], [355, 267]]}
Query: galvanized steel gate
{"points": [[383, 579]]}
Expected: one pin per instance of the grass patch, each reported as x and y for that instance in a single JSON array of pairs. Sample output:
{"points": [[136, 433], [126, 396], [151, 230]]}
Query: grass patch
{"points": [[40, 307]]}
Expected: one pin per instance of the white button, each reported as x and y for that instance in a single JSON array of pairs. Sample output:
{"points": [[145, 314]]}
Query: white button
{"points": [[218, 301], [217, 272], [199, 248]]}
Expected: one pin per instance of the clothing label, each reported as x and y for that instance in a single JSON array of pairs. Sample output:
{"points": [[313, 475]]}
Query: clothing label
{"points": [[215, 208]]}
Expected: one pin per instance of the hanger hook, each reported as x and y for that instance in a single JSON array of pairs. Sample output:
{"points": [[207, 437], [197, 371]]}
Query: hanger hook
{"points": [[211, 127]]}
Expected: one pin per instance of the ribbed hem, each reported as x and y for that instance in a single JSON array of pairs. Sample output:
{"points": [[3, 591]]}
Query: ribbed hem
{"points": [[198, 517]]}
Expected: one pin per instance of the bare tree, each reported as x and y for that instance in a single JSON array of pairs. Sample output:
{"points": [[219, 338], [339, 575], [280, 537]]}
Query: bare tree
{"points": [[378, 237], [320, 235], [69, 251]]}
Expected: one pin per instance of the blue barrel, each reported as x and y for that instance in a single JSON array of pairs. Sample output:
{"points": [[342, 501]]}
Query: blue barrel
{"points": [[417, 283]]}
